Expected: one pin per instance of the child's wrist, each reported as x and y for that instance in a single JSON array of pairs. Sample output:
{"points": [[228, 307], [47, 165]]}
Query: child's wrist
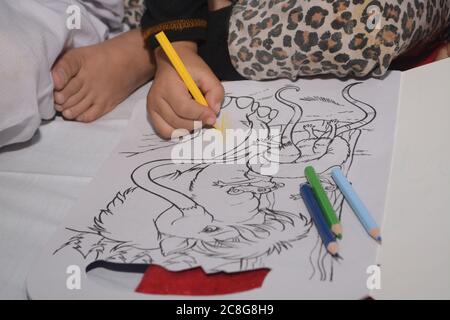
{"points": [[181, 47], [185, 45]]}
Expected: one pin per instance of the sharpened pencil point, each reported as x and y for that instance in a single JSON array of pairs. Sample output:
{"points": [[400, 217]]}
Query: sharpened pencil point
{"points": [[222, 126], [378, 239], [339, 236], [337, 256]]}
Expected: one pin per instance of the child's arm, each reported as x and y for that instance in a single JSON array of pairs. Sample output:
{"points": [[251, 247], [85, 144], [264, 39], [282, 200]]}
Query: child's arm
{"points": [[179, 19], [169, 104]]}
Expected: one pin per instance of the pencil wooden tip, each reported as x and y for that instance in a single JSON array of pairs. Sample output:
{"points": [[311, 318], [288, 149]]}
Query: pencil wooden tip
{"points": [[337, 230], [333, 248], [375, 233], [222, 126]]}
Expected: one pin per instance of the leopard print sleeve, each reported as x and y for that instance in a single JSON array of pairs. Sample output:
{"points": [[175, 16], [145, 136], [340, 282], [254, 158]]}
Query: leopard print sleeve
{"points": [[295, 38], [134, 10]]}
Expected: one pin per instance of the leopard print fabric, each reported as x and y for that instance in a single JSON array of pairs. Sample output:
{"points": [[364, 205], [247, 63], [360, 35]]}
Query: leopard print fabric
{"points": [[134, 9], [292, 38]]}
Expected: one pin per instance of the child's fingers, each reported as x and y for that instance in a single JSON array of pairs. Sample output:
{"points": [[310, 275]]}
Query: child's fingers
{"points": [[213, 90], [73, 100], [162, 128], [79, 108], [172, 118], [186, 107], [64, 70], [93, 113], [69, 90]]}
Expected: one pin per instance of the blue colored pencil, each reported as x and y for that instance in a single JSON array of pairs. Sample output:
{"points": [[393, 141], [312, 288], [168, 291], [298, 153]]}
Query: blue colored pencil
{"points": [[325, 233], [356, 204]]}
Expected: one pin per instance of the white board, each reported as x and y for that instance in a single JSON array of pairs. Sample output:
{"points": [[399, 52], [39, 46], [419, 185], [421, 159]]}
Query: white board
{"points": [[415, 255]]}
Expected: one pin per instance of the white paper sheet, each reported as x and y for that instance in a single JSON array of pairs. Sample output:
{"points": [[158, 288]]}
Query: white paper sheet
{"points": [[142, 209], [415, 259]]}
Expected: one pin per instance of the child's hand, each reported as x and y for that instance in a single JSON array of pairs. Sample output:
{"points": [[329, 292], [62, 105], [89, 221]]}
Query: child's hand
{"points": [[169, 103]]}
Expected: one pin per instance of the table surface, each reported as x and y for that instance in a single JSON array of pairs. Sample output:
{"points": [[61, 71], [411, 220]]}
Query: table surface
{"points": [[40, 181]]}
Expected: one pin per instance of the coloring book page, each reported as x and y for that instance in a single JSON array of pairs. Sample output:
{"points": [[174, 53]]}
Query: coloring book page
{"points": [[228, 201]]}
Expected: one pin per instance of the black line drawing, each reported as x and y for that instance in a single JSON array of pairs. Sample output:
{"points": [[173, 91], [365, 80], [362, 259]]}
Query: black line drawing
{"points": [[231, 217]]}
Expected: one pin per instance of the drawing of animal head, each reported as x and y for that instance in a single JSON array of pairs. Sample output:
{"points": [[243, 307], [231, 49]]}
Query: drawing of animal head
{"points": [[196, 233], [275, 232], [199, 195], [193, 223]]}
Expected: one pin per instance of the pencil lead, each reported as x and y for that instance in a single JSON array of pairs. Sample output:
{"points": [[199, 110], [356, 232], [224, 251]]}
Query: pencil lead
{"points": [[339, 236], [378, 239], [337, 257]]}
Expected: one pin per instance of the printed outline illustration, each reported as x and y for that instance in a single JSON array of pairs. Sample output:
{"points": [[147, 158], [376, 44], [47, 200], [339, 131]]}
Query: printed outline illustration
{"points": [[230, 217]]}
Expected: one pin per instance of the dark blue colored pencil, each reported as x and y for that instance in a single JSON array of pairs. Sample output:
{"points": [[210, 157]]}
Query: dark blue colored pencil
{"points": [[327, 236]]}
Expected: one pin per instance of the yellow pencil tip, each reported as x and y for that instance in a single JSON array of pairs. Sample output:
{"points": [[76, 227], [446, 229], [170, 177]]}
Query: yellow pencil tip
{"points": [[222, 126]]}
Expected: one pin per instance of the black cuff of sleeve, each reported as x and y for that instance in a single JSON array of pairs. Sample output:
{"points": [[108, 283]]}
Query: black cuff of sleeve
{"points": [[196, 34]]}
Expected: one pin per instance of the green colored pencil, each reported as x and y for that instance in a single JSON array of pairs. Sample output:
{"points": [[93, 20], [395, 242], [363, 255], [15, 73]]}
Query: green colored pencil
{"points": [[324, 202]]}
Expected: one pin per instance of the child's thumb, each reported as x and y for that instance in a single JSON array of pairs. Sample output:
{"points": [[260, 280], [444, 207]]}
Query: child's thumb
{"points": [[214, 94], [208, 117]]}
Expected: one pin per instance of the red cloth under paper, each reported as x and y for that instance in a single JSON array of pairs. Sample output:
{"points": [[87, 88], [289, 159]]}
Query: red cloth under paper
{"points": [[158, 280]]}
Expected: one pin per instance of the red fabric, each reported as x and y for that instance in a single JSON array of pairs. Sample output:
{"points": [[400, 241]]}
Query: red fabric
{"points": [[196, 282], [417, 59], [157, 280], [430, 57]]}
